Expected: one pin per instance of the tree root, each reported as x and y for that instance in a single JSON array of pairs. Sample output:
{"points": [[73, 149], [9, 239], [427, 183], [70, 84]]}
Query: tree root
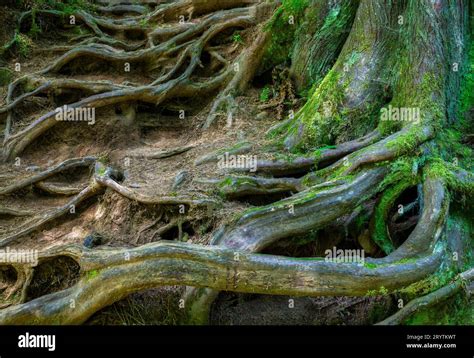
{"points": [[245, 70], [431, 299], [57, 189], [259, 228], [235, 187], [17, 142], [103, 178], [40, 221], [108, 182], [319, 160], [163, 88], [66, 165], [165, 153], [17, 293], [430, 225], [107, 276], [121, 9], [15, 212]]}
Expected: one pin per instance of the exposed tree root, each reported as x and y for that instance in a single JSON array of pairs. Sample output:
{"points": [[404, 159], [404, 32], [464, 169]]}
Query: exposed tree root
{"points": [[41, 220], [430, 225], [66, 165], [431, 299], [166, 153], [107, 276], [318, 161], [235, 187], [258, 229], [245, 71], [144, 199], [56, 189], [166, 86], [104, 177], [15, 212]]}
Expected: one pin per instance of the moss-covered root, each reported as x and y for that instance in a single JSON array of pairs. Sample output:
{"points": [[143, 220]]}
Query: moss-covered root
{"points": [[430, 226], [311, 209], [234, 187], [257, 229], [111, 274], [461, 282], [405, 141], [320, 158], [378, 224], [307, 210]]}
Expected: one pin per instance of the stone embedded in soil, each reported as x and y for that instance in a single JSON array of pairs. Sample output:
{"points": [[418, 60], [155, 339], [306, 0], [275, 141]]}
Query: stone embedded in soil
{"points": [[92, 240], [33, 168], [179, 179]]}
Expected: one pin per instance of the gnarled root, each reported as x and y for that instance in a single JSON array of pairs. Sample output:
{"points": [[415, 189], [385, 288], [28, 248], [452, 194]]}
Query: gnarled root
{"points": [[461, 282], [107, 276], [258, 229]]}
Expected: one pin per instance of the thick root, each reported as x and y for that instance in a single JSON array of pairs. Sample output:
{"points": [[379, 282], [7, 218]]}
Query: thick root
{"points": [[107, 276], [444, 293]]}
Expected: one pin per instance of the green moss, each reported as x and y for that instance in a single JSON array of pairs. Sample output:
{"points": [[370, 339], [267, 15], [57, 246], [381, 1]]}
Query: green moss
{"points": [[5, 76], [22, 44], [456, 311], [232, 184], [407, 260], [143, 22], [265, 94], [403, 174], [407, 142], [361, 220], [389, 196], [318, 152], [467, 89], [444, 170], [382, 291], [101, 170], [370, 265], [402, 169], [326, 119], [92, 274], [68, 7], [320, 115], [232, 149], [237, 38], [283, 27], [439, 279]]}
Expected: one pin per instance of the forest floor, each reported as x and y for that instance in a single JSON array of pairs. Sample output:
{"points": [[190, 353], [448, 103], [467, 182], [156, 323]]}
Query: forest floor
{"points": [[125, 222]]}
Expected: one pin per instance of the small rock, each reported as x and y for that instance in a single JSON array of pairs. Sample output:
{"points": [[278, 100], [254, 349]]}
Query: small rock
{"points": [[179, 179], [135, 185], [33, 168], [261, 116], [92, 240]]}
